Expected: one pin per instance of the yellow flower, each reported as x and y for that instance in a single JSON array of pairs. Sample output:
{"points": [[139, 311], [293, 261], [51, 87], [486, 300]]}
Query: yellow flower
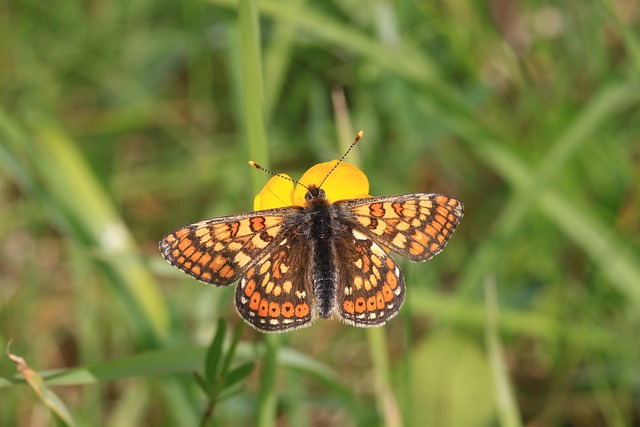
{"points": [[345, 182]]}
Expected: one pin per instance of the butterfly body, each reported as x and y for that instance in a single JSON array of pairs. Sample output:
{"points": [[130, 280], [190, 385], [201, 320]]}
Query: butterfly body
{"points": [[323, 259]]}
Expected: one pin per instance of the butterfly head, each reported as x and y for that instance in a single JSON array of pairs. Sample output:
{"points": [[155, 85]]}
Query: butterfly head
{"points": [[314, 193]]}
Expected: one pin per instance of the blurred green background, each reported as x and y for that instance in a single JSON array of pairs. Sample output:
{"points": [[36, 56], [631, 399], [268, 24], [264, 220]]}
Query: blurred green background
{"points": [[120, 121]]}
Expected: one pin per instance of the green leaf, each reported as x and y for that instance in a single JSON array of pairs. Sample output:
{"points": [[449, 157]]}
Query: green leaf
{"points": [[214, 354], [237, 374]]}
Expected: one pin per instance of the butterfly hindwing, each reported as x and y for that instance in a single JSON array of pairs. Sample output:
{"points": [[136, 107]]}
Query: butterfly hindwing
{"points": [[370, 284], [276, 293]]}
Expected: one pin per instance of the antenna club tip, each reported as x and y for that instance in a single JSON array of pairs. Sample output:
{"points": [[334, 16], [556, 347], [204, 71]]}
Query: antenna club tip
{"points": [[252, 163], [360, 134]]}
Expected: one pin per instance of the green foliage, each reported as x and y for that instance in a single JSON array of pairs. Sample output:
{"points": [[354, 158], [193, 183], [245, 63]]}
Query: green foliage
{"points": [[120, 121]]}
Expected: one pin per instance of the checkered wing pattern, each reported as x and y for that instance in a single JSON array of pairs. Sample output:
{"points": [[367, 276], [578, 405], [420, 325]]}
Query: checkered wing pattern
{"points": [[220, 250], [276, 293], [417, 226], [370, 283]]}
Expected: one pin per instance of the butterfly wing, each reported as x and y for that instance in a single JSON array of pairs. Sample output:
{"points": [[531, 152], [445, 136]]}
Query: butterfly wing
{"points": [[276, 294], [370, 283], [219, 250], [417, 226]]}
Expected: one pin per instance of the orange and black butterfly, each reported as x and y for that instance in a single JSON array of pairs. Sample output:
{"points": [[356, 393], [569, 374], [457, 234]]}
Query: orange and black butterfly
{"points": [[322, 259]]}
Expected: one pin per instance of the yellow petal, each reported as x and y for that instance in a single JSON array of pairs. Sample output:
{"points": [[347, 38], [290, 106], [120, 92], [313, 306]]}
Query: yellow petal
{"points": [[345, 182], [276, 193]]}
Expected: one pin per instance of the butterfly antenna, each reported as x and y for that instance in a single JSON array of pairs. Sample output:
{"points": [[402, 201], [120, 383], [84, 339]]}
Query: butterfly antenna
{"points": [[353, 144], [257, 166]]}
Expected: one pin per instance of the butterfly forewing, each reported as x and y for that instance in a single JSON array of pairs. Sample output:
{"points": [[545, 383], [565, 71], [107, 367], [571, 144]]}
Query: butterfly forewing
{"points": [[417, 226], [218, 251], [276, 293]]}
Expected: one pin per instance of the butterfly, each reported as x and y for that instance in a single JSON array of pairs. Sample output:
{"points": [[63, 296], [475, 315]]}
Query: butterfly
{"points": [[321, 259]]}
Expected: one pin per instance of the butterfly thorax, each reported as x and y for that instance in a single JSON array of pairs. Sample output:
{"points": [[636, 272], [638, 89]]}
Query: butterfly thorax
{"points": [[320, 214]]}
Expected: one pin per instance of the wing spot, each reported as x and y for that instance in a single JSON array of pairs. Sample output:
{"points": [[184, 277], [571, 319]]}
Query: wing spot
{"points": [[397, 207], [361, 306], [265, 279], [184, 244], [357, 281], [265, 267], [402, 226], [376, 209], [241, 259], [254, 303], [416, 248], [400, 240], [196, 256], [392, 280], [206, 276], [201, 232], [434, 247], [277, 290], [379, 301], [196, 270], [181, 233], [387, 294], [189, 251], [358, 235], [218, 263], [274, 309], [250, 288], [283, 268], [234, 246], [442, 220], [258, 241], [233, 228], [372, 303], [377, 250], [390, 263], [264, 307], [442, 210], [420, 237], [348, 307], [302, 310], [257, 223], [287, 286], [287, 309], [270, 286], [226, 271], [377, 262]]}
